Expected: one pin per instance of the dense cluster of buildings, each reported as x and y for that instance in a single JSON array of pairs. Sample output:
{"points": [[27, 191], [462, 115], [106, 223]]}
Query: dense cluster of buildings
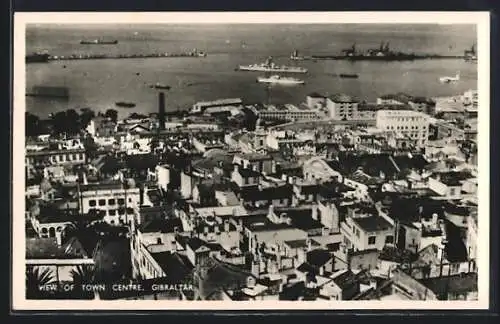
{"points": [[346, 200]]}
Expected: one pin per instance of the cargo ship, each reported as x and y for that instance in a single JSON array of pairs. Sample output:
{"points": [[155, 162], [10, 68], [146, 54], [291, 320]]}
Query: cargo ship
{"points": [[124, 104], [48, 92], [37, 58], [98, 42], [348, 76], [269, 66], [276, 79]]}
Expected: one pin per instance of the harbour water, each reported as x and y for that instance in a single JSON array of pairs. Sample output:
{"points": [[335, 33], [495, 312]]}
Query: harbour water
{"points": [[98, 84]]}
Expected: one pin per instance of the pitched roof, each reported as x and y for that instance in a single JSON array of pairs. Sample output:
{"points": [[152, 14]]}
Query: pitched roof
{"points": [[318, 258], [161, 226], [176, 267]]}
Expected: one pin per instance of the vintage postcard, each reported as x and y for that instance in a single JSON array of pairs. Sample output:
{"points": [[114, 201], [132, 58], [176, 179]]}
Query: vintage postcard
{"points": [[323, 160]]}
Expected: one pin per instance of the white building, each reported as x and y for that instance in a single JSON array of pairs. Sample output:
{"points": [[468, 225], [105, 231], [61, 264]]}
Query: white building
{"points": [[410, 123], [162, 176], [342, 107], [289, 112], [112, 198]]}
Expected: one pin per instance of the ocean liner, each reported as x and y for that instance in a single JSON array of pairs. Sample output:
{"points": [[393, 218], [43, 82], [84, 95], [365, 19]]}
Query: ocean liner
{"points": [[276, 79]]}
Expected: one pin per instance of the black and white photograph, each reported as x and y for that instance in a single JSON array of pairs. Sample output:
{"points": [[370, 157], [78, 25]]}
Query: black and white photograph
{"points": [[297, 160]]}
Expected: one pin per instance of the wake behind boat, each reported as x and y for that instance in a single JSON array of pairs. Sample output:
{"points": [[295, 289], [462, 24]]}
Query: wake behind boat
{"points": [[270, 66], [276, 79]]}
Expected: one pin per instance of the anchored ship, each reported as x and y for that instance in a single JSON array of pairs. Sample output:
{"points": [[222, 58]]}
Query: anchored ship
{"points": [[470, 55], [37, 58], [383, 53], [349, 76], [124, 104], [160, 86], [276, 79], [99, 42], [269, 66]]}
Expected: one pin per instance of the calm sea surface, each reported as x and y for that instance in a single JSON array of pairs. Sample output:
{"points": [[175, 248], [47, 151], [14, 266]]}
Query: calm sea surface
{"points": [[98, 84]]}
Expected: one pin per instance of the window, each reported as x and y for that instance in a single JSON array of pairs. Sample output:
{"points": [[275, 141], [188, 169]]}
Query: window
{"points": [[81, 156], [121, 201], [68, 157], [130, 200], [389, 239], [92, 203], [102, 202], [372, 240], [112, 212], [158, 240], [452, 191], [60, 158], [111, 202], [357, 232], [74, 157]]}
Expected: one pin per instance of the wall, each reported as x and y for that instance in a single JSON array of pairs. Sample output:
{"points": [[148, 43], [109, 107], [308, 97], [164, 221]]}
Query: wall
{"points": [[186, 185], [163, 176], [368, 260], [328, 215]]}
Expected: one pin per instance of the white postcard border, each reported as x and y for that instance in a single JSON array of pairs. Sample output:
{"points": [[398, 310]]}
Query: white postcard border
{"points": [[481, 19]]}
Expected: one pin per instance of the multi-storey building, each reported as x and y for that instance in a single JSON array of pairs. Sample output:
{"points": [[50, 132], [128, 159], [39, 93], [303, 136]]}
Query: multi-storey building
{"points": [[342, 107], [288, 112], [412, 124], [55, 157], [114, 198]]}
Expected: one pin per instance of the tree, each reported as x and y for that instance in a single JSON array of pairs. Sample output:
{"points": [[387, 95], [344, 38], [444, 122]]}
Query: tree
{"points": [[86, 115], [32, 124], [112, 114], [83, 275], [135, 115], [35, 279]]}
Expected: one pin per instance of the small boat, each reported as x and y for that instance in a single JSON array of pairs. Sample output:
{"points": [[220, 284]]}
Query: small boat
{"points": [[448, 79], [348, 76], [160, 86], [125, 104]]}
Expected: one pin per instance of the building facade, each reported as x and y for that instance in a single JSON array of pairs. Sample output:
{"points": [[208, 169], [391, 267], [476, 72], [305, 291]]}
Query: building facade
{"points": [[412, 124]]}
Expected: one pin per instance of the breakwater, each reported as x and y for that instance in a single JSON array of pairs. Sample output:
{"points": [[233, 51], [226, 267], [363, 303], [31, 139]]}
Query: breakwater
{"points": [[121, 56]]}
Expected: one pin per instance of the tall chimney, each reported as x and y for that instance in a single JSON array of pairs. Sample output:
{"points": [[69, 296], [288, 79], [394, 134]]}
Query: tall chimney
{"points": [[161, 110]]}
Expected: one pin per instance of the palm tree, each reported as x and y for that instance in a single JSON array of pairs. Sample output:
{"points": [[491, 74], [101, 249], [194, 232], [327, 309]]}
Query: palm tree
{"points": [[83, 275], [36, 278]]}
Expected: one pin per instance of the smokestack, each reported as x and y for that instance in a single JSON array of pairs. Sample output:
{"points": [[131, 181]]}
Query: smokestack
{"points": [[161, 110]]}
